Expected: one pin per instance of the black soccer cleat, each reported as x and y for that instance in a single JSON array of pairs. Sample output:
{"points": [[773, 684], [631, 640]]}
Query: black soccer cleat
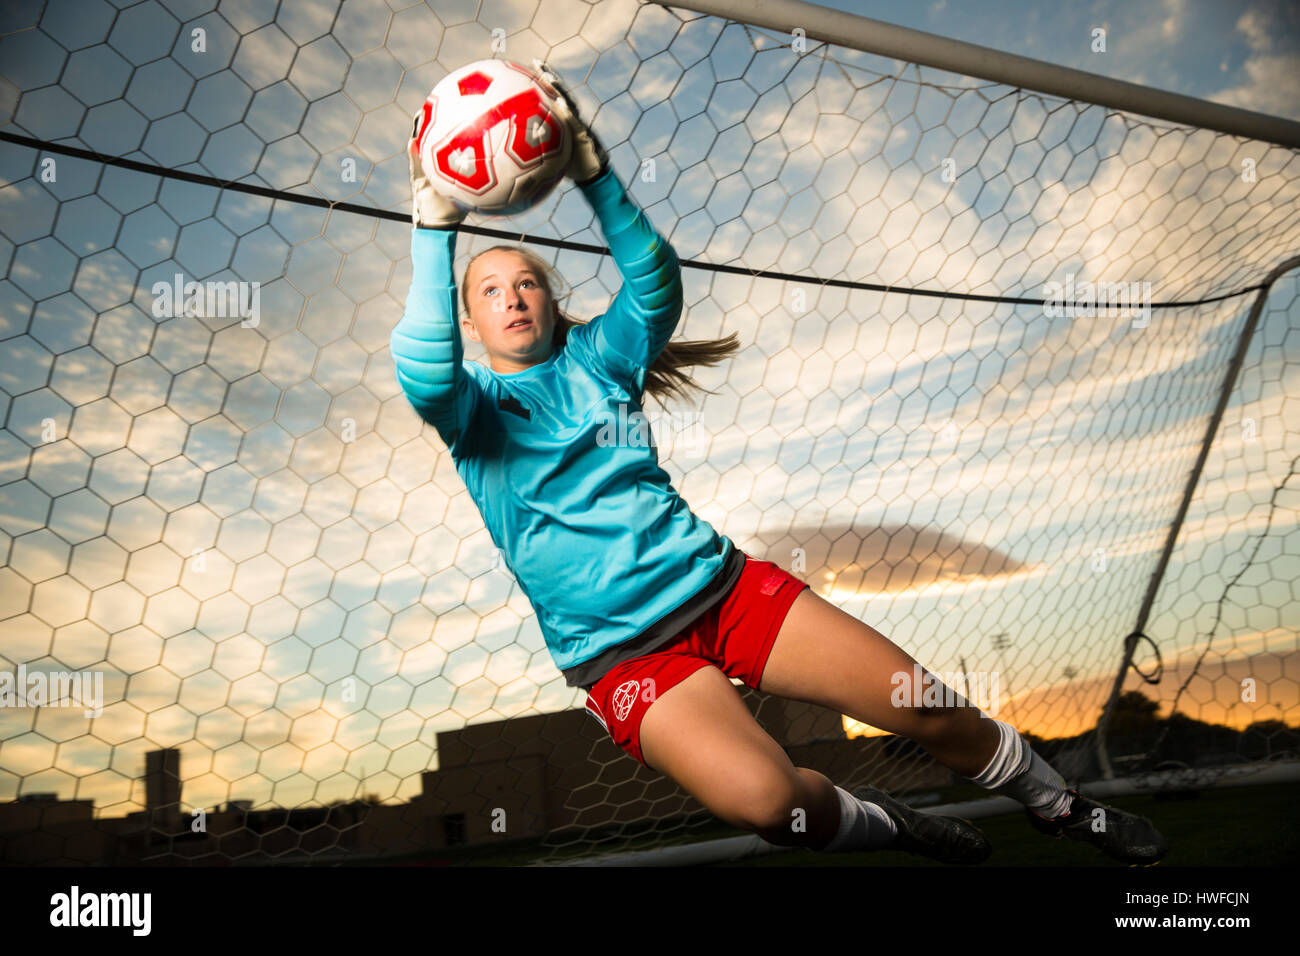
{"points": [[946, 839], [1121, 836]]}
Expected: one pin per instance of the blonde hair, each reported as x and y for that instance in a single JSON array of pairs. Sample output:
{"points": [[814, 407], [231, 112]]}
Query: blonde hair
{"points": [[665, 376]]}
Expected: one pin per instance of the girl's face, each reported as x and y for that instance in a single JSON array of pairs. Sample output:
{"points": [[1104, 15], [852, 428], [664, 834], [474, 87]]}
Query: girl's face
{"points": [[509, 311]]}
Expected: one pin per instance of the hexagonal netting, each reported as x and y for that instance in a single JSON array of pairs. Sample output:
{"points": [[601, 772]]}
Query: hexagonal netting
{"points": [[231, 517]]}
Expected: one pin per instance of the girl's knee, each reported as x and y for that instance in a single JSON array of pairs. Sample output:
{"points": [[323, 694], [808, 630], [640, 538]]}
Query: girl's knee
{"points": [[767, 803]]}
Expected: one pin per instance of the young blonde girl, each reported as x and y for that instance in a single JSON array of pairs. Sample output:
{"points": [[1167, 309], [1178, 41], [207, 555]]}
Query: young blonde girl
{"points": [[640, 601]]}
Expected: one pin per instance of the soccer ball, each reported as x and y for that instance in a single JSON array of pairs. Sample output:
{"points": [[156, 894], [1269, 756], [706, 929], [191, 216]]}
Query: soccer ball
{"points": [[491, 139]]}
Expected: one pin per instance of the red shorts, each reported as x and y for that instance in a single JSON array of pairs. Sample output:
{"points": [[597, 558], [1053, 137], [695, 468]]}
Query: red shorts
{"points": [[736, 635]]}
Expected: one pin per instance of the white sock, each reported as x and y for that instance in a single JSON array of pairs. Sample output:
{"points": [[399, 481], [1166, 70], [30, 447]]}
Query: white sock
{"points": [[863, 826], [1017, 772]]}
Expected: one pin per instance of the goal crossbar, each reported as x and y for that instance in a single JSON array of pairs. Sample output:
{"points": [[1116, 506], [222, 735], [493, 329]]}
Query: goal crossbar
{"points": [[927, 49]]}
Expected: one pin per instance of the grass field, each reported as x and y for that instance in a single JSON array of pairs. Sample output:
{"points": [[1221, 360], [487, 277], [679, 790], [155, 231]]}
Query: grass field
{"points": [[1232, 826]]}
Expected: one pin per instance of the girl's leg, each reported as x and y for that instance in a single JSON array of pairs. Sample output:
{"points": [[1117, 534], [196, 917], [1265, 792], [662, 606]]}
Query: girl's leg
{"points": [[701, 734], [825, 656]]}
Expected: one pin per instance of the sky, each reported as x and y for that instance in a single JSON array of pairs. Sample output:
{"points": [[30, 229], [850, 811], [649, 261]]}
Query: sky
{"points": [[1244, 54], [247, 527]]}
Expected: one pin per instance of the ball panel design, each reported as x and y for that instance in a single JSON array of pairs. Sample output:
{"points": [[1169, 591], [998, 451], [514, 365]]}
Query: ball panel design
{"points": [[491, 139]]}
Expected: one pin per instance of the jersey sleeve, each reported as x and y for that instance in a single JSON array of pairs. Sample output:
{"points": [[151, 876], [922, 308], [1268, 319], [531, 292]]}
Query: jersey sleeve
{"points": [[426, 345], [629, 337]]}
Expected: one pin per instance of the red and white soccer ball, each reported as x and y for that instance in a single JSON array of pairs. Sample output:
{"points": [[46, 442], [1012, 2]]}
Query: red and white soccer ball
{"points": [[491, 139]]}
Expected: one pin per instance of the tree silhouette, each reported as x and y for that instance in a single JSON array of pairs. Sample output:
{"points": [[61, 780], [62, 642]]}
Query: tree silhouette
{"points": [[1264, 738], [1135, 713]]}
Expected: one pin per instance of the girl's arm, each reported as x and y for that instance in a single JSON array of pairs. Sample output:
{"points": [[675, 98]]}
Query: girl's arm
{"points": [[426, 345], [648, 307], [642, 318]]}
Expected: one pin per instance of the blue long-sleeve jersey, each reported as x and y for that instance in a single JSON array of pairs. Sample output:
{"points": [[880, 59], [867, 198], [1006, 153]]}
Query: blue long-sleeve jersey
{"points": [[598, 539]]}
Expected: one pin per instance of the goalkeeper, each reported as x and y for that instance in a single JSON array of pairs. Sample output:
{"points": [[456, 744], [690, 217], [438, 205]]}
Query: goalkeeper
{"points": [[642, 603]]}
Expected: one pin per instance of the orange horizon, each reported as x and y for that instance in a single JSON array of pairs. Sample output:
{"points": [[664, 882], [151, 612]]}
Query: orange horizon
{"points": [[1277, 696]]}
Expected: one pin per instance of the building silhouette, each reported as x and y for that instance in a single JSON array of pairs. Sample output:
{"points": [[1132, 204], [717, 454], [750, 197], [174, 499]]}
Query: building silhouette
{"points": [[499, 782], [162, 785]]}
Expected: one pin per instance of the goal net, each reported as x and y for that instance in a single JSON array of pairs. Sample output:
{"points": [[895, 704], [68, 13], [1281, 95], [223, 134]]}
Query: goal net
{"points": [[984, 337]]}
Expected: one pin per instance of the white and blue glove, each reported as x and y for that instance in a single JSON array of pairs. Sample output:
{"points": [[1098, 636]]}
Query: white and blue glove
{"points": [[589, 158], [430, 209]]}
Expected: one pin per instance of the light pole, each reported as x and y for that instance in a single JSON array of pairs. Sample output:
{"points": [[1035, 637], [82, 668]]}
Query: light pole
{"points": [[1000, 643]]}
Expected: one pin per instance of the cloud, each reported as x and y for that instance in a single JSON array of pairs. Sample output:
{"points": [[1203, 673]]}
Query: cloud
{"points": [[1272, 87], [1176, 17], [1272, 70], [1253, 25]]}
